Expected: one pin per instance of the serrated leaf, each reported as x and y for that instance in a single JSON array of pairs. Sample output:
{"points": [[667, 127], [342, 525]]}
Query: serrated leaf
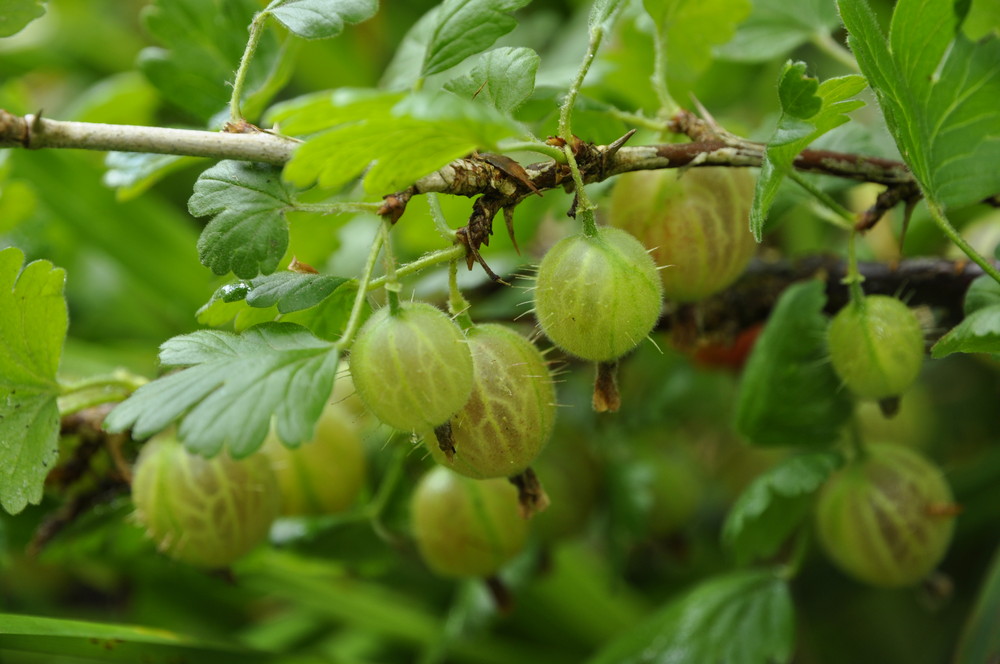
{"points": [[202, 43], [776, 27], [790, 394], [938, 92], [466, 27], [504, 78], [808, 110], [231, 388], [742, 617], [33, 323], [320, 19], [400, 144], [291, 291], [775, 503], [979, 332], [249, 234], [690, 30], [17, 14]]}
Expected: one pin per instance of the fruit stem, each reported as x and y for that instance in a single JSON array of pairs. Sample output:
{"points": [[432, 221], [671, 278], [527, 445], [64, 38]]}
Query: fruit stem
{"points": [[856, 440], [842, 217], [422, 263], [392, 285], [937, 214], [354, 321], [437, 215], [853, 278], [256, 32], [458, 306], [668, 107], [390, 480]]}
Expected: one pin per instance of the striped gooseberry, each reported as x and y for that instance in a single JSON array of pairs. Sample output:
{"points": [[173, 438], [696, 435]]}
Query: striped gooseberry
{"points": [[598, 296]]}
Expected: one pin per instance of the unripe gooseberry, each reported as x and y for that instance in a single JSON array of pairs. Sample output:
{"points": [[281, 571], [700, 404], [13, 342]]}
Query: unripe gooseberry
{"points": [[598, 296], [412, 367], [886, 518], [204, 512], [466, 527], [876, 346], [508, 418], [323, 475], [697, 225]]}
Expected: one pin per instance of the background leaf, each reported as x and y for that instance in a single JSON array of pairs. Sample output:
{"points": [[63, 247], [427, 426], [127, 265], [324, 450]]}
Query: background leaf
{"points": [[981, 639], [775, 503], [809, 109], [33, 323], [202, 46], [938, 92], [736, 618], [249, 234], [466, 27], [775, 28], [233, 385], [790, 394], [17, 14], [321, 19], [108, 642], [504, 78]]}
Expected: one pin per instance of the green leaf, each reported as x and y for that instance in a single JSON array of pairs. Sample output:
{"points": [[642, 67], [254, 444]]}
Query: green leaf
{"points": [[504, 78], [691, 29], [133, 173], [979, 332], [980, 641], [776, 27], [108, 642], [466, 27], [809, 109], [774, 504], [742, 617], [938, 92], [321, 19], [790, 394], [231, 388], [983, 292], [202, 46], [249, 234], [292, 291], [33, 322], [401, 143], [17, 14]]}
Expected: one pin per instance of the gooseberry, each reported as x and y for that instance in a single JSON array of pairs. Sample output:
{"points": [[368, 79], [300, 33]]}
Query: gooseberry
{"points": [[598, 296], [697, 225], [325, 474], [204, 512], [876, 346], [886, 518], [466, 527], [412, 367], [508, 418]]}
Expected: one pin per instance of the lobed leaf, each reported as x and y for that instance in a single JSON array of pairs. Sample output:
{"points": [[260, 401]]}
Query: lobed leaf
{"points": [[790, 394], [394, 145], [17, 14], [33, 323], [743, 617], [809, 109], [466, 27], [938, 92], [231, 388], [248, 234], [774, 504], [504, 78], [320, 19], [775, 28]]}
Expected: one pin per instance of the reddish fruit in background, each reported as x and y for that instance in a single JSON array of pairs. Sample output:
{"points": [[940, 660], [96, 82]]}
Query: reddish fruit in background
{"points": [[324, 475], [204, 512], [697, 224], [508, 418], [876, 346], [412, 368], [598, 297], [466, 527], [886, 518]]}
